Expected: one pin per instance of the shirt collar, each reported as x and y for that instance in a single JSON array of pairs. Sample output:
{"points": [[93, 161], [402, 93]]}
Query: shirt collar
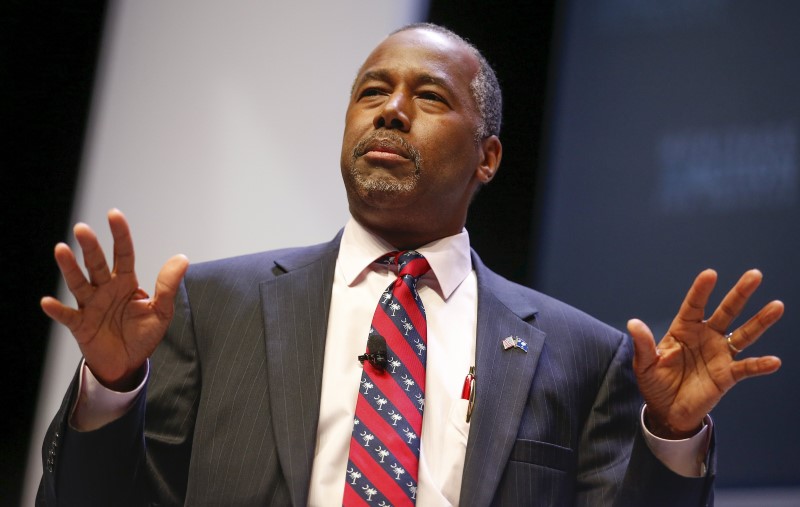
{"points": [[448, 257]]}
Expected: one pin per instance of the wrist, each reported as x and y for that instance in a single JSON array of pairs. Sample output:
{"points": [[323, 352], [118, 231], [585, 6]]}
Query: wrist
{"points": [[664, 430], [126, 383]]}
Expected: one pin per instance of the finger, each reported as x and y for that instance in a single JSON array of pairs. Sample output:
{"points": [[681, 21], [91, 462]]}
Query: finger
{"points": [[60, 313], [754, 367], [644, 345], [751, 331], [167, 283], [124, 258], [72, 273], [93, 257], [734, 301], [692, 309]]}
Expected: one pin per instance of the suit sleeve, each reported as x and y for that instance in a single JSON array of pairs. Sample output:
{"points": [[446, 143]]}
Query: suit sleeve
{"points": [[92, 468], [616, 467], [109, 466], [650, 482], [172, 400]]}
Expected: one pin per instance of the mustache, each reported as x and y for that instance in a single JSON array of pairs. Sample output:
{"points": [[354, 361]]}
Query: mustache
{"points": [[386, 138]]}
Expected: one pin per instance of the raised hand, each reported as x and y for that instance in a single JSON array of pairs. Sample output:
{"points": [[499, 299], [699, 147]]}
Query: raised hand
{"points": [[117, 325], [694, 365]]}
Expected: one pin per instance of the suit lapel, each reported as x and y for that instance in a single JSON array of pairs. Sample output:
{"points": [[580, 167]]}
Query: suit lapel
{"points": [[503, 381], [295, 307]]}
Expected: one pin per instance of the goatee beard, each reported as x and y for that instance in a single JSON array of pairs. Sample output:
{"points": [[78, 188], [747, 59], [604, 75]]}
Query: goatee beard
{"points": [[385, 185]]}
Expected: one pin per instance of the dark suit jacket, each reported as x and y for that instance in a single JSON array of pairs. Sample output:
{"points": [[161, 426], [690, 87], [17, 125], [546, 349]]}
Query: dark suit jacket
{"points": [[233, 402]]}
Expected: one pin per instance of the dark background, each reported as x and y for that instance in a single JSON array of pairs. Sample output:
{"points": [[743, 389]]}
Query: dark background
{"points": [[48, 53], [601, 103], [673, 146]]}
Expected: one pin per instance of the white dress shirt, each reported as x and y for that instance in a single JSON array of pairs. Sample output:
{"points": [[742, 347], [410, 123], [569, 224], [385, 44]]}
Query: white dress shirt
{"points": [[449, 292]]}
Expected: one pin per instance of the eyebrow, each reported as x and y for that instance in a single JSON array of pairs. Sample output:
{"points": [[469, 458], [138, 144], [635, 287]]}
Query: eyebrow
{"points": [[377, 75]]}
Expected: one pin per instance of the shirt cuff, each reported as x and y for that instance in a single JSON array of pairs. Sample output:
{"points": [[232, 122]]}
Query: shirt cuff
{"points": [[686, 457], [98, 405]]}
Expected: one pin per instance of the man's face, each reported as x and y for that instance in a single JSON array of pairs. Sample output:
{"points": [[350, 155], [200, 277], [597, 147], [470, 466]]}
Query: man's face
{"points": [[410, 161]]}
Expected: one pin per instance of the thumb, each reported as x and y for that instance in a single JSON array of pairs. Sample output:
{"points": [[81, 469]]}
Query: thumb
{"points": [[644, 344], [167, 282]]}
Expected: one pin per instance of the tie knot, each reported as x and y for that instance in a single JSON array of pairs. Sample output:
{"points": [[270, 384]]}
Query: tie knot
{"points": [[412, 263], [409, 262]]}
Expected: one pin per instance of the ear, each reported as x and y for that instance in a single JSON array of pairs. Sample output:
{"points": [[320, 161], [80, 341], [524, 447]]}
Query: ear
{"points": [[491, 153]]}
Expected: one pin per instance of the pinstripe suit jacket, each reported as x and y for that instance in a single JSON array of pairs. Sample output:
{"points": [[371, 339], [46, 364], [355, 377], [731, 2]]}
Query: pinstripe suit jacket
{"points": [[233, 402]]}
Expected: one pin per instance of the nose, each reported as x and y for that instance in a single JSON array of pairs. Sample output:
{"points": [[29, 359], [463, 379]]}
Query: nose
{"points": [[394, 113]]}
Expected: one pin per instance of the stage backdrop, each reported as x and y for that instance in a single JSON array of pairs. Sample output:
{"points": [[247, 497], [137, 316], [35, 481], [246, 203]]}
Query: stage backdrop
{"points": [[674, 147], [216, 128]]}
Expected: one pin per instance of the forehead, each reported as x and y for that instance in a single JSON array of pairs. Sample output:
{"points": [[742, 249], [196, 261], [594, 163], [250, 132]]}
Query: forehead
{"points": [[423, 52]]}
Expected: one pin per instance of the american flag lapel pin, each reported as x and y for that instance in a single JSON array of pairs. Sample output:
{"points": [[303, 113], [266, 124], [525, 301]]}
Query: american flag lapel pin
{"points": [[515, 342]]}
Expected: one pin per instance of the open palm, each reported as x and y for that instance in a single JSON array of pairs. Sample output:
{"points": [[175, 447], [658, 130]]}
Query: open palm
{"points": [[116, 324], [694, 364]]}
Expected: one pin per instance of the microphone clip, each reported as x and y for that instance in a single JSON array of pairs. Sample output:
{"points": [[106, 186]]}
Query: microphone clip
{"points": [[376, 352]]}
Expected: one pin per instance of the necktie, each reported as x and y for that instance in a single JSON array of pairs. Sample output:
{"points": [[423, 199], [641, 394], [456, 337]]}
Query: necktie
{"points": [[384, 447]]}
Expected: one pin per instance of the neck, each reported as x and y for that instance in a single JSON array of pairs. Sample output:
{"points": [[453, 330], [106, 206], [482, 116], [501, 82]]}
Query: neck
{"points": [[408, 238]]}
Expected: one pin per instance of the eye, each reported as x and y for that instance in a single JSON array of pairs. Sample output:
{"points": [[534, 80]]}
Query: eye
{"points": [[370, 92], [432, 96]]}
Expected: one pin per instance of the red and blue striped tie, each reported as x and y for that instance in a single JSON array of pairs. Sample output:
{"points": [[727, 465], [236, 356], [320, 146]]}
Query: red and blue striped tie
{"points": [[384, 448]]}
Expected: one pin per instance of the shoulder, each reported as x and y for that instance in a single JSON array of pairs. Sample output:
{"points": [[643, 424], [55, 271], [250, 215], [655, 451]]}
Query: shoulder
{"points": [[263, 265], [557, 319]]}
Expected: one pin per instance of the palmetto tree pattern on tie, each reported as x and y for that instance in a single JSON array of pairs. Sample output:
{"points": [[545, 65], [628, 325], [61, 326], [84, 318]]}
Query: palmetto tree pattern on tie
{"points": [[384, 447]]}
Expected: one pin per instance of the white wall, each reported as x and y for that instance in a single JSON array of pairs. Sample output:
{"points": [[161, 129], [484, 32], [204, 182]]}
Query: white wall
{"points": [[216, 129]]}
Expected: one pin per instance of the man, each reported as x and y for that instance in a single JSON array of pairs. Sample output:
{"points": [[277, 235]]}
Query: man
{"points": [[252, 387]]}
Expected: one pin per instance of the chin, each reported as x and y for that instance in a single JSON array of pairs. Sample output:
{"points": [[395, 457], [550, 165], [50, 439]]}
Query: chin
{"points": [[385, 186]]}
